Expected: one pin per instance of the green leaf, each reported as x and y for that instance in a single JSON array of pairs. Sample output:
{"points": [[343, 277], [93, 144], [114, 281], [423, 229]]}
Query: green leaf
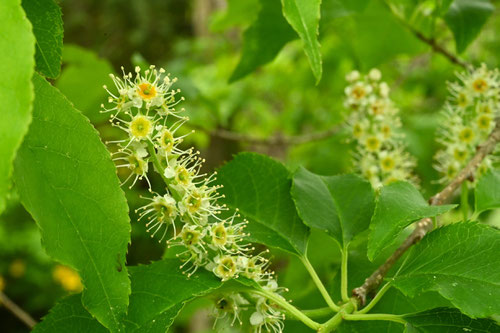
{"points": [[45, 15], [69, 315], [303, 16], [375, 30], [16, 90], [263, 40], [68, 183], [159, 290], [447, 320], [465, 18], [260, 188], [398, 205], [487, 191], [339, 205], [460, 261], [238, 13], [82, 79]]}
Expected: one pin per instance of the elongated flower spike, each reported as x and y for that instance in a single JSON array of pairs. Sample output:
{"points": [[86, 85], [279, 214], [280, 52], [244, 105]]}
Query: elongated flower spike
{"points": [[380, 154], [187, 214], [468, 119]]}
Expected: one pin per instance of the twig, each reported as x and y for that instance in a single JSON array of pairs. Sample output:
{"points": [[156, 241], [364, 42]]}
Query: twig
{"points": [[438, 48], [429, 41], [425, 225], [275, 140], [17, 311]]}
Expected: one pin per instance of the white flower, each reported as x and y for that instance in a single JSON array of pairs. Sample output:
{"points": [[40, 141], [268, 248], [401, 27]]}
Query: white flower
{"points": [[374, 74]]}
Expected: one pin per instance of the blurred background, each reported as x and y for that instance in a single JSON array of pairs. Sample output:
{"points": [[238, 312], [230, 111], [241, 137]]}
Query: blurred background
{"points": [[278, 110]]}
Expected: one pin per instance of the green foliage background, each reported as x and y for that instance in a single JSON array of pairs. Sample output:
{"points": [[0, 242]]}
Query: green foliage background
{"points": [[253, 68]]}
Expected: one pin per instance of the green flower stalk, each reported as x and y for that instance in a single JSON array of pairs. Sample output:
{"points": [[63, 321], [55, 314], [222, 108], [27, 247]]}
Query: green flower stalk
{"points": [[380, 154], [144, 106], [469, 117]]}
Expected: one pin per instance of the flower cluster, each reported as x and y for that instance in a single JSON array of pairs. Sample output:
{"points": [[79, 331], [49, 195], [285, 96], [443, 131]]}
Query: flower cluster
{"points": [[144, 107], [469, 117], [380, 154]]}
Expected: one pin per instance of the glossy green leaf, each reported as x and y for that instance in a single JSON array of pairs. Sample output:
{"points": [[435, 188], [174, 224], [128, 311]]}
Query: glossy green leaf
{"points": [[460, 261], [303, 16], [45, 16], [68, 183], [260, 188], [487, 191], [465, 18], [82, 79], [447, 320], [263, 40], [69, 315], [16, 90], [159, 290], [398, 205], [342, 206]]}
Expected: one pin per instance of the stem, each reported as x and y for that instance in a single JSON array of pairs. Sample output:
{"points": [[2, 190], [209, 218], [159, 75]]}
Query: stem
{"points": [[376, 316], [315, 313], [335, 321], [16, 310], [343, 274], [464, 200], [425, 225], [375, 299], [160, 169], [319, 284], [279, 300]]}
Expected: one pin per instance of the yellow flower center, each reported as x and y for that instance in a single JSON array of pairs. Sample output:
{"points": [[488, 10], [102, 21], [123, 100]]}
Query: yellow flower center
{"points": [[167, 141], [141, 127], [137, 165], [357, 130], [219, 236], [372, 143], [462, 100], [190, 237], [484, 122], [480, 85], [182, 176], [387, 163], [226, 268], [194, 202], [466, 135], [460, 154], [146, 90], [358, 91]]}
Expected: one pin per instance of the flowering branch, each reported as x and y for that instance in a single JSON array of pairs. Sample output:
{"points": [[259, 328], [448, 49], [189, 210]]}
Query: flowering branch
{"points": [[16, 310], [426, 225]]}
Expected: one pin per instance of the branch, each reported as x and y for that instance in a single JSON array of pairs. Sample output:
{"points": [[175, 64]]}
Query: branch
{"points": [[275, 140], [425, 225], [438, 48], [17, 311], [429, 41]]}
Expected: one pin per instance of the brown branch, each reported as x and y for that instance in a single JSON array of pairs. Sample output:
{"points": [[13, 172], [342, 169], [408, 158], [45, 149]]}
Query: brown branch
{"points": [[429, 41], [425, 225], [275, 140], [17, 311], [438, 48]]}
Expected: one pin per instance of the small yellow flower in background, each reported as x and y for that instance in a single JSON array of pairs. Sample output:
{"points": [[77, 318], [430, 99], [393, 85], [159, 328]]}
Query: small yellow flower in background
{"points": [[67, 278], [17, 268], [2, 283]]}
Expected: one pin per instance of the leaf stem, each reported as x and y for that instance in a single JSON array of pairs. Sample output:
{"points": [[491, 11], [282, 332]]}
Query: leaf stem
{"points": [[281, 301], [343, 274], [464, 200], [375, 300], [376, 316], [315, 313], [335, 321], [319, 284]]}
